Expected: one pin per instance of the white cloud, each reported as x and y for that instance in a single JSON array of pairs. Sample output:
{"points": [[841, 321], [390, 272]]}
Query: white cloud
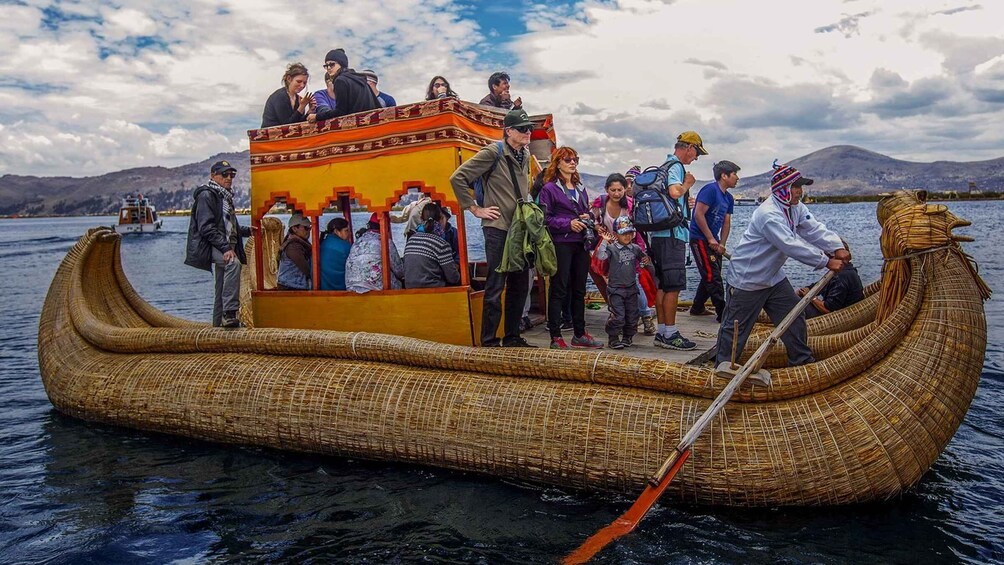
{"points": [[107, 85], [761, 81]]}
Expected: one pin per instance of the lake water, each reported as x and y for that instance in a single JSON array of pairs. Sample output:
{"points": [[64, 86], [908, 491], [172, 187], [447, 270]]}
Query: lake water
{"points": [[75, 492]]}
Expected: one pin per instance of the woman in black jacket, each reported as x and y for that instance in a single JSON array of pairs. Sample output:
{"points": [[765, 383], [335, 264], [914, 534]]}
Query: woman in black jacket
{"points": [[285, 105]]}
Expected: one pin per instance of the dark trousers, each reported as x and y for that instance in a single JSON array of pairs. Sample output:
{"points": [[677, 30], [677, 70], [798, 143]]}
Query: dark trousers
{"points": [[745, 306], [569, 281], [516, 285], [709, 265], [622, 304]]}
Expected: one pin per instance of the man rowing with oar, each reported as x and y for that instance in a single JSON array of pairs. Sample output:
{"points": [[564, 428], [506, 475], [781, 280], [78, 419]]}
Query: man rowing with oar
{"points": [[780, 228]]}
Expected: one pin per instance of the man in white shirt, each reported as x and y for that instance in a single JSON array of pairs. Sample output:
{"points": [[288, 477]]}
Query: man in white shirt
{"points": [[780, 228]]}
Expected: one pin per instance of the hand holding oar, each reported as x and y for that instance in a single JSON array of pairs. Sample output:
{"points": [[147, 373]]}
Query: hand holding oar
{"points": [[661, 479]]}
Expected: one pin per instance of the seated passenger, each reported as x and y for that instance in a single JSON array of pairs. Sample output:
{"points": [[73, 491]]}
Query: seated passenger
{"points": [[452, 237], [285, 105], [385, 100], [324, 100], [295, 255], [428, 259], [498, 93], [350, 88], [439, 87], [844, 289], [364, 267], [335, 248], [412, 214]]}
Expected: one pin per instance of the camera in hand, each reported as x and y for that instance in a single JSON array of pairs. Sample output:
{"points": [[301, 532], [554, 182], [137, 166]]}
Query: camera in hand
{"points": [[589, 234]]}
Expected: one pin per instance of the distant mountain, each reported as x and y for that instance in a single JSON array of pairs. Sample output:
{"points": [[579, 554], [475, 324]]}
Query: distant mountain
{"points": [[846, 169], [841, 169], [167, 188]]}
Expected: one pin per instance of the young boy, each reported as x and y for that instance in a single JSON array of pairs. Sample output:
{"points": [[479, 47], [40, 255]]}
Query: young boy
{"points": [[622, 291]]}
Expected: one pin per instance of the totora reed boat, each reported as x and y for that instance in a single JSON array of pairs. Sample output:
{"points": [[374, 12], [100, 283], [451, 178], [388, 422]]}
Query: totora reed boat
{"points": [[894, 378]]}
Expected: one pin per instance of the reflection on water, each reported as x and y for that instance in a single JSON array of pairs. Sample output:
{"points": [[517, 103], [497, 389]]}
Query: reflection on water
{"points": [[79, 492]]}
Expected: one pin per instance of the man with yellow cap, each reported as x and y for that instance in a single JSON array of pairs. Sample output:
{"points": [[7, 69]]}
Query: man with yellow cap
{"points": [[668, 248]]}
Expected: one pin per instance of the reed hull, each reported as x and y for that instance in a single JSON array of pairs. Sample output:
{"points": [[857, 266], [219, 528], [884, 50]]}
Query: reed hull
{"points": [[863, 424]]}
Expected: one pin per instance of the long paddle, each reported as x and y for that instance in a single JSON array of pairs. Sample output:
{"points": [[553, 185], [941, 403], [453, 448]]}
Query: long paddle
{"points": [[661, 479]]}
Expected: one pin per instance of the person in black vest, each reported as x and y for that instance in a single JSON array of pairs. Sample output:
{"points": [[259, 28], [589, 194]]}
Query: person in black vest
{"points": [[215, 238], [352, 92]]}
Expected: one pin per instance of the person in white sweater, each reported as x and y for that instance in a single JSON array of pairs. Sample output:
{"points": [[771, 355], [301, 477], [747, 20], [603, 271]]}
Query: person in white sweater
{"points": [[780, 228]]}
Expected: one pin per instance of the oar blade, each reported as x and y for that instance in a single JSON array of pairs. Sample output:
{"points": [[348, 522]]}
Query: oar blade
{"points": [[627, 521]]}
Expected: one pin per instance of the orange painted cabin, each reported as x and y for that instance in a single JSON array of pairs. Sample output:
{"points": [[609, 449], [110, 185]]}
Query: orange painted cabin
{"points": [[373, 159]]}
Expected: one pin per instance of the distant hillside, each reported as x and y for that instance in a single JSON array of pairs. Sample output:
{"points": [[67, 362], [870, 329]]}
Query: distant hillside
{"points": [[167, 188], [845, 169], [841, 169]]}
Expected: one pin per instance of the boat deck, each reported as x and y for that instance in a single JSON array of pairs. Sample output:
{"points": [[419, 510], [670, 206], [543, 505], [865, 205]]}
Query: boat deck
{"points": [[702, 330]]}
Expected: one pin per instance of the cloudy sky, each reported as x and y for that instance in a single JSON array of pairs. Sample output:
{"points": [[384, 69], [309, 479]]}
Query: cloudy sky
{"points": [[90, 87]]}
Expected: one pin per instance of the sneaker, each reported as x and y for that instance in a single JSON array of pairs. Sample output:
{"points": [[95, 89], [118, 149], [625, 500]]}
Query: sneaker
{"points": [[230, 321], [675, 341], [628, 341], [648, 323], [517, 341], [558, 343], [525, 323], [566, 324], [593, 306], [614, 343], [586, 340]]}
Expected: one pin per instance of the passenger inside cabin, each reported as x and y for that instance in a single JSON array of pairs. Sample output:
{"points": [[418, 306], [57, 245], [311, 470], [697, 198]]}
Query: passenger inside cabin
{"points": [[335, 249], [285, 105], [364, 267], [295, 255], [452, 237], [439, 87], [428, 259]]}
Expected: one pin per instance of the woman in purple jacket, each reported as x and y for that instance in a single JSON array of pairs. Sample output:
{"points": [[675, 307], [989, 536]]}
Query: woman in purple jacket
{"points": [[566, 211]]}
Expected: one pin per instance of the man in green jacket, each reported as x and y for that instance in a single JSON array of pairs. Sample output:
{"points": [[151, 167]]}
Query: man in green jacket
{"points": [[500, 189]]}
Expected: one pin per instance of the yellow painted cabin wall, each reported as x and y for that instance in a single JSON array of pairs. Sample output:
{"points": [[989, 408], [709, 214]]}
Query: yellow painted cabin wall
{"points": [[443, 315]]}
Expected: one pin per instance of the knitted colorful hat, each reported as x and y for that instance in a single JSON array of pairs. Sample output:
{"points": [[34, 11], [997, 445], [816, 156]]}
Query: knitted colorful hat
{"points": [[633, 172], [780, 182]]}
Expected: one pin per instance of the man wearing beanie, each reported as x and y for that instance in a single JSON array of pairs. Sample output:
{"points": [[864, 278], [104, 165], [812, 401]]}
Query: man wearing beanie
{"points": [[780, 228], [352, 92]]}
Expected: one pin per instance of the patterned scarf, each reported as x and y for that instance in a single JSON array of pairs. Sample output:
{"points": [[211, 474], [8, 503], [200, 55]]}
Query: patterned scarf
{"points": [[227, 197]]}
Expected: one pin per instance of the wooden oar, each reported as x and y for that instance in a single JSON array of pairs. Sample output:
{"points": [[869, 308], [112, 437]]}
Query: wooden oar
{"points": [[661, 479]]}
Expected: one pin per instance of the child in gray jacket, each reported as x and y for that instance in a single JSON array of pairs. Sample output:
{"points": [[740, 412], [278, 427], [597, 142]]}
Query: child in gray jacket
{"points": [[623, 256]]}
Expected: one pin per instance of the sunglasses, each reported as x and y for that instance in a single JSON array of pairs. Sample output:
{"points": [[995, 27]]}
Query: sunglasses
{"points": [[523, 129], [228, 174], [438, 85], [329, 65], [571, 160]]}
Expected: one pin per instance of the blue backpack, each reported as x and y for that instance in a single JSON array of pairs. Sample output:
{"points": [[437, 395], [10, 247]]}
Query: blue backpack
{"points": [[479, 183], [654, 209]]}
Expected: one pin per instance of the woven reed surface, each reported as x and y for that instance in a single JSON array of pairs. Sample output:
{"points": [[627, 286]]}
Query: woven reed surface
{"points": [[860, 425]]}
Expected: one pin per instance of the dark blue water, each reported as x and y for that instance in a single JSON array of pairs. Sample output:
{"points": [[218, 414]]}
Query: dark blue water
{"points": [[73, 492]]}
